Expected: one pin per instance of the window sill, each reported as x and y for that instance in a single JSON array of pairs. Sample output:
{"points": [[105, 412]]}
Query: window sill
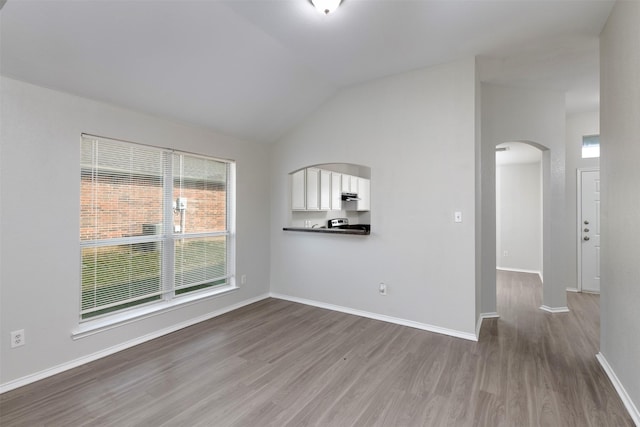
{"points": [[92, 327]]}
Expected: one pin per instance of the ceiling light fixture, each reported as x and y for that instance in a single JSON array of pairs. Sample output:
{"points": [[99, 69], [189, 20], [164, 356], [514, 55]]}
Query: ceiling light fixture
{"points": [[325, 6]]}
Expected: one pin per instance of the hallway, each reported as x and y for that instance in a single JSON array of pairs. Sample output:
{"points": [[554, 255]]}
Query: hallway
{"points": [[541, 366]]}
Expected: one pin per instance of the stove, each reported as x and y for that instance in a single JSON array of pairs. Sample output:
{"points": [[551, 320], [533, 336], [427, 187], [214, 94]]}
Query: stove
{"points": [[337, 222], [343, 223]]}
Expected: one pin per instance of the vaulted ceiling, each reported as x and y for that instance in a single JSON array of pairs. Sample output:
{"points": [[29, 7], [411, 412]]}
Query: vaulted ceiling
{"points": [[255, 68]]}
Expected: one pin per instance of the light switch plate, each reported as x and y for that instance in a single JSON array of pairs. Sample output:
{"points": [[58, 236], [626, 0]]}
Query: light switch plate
{"points": [[457, 216]]}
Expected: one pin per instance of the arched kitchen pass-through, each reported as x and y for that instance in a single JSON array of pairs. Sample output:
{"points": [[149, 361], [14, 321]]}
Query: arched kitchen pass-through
{"points": [[330, 197]]}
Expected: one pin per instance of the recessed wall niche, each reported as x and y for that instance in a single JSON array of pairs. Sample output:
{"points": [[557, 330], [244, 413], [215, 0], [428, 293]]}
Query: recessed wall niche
{"points": [[321, 192]]}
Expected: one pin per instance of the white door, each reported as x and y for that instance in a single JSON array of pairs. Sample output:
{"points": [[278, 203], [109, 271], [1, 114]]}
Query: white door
{"points": [[589, 230]]}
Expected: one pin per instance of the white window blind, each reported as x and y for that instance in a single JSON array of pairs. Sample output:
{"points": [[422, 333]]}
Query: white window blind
{"points": [[201, 251], [154, 224]]}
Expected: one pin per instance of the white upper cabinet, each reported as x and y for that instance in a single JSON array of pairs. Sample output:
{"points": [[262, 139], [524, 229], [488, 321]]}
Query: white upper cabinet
{"points": [[325, 190], [316, 189], [354, 184], [364, 194], [346, 183], [298, 191], [349, 183], [336, 191], [313, 182]]}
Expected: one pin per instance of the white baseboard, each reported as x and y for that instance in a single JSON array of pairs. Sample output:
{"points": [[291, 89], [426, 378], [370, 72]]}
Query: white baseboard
{"points": [[28, 379], [520, 270], [491, 315], [382, 317], [554, 309], [584, 291], [628, 403]]}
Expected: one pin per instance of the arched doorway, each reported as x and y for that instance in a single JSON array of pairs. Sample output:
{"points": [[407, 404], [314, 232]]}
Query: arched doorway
{"points": [[519, 209], [553, 289]]}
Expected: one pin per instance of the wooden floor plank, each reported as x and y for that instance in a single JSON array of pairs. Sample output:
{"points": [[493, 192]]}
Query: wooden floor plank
{"points": [[278, 363]]}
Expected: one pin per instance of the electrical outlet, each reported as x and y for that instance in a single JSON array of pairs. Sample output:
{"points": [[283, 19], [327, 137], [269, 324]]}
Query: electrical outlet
{"points": [[243, 279], [382, 289], [505, 253], [17, 338]]}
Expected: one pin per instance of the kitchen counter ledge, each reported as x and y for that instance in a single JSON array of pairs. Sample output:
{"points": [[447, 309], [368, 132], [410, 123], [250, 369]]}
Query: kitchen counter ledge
{"points": [[330, 230]]}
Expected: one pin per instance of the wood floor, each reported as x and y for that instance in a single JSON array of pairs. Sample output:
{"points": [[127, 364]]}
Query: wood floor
{"points": [[277, 363]]}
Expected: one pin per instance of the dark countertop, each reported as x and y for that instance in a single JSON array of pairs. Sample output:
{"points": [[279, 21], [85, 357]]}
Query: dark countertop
{"points": [[363, 231]]}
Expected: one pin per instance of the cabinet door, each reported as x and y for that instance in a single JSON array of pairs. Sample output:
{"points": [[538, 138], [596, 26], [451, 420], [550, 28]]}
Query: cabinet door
{"points": [[336, 191], [298, 191], [346, 183], [364, 194], [354, 184], [325, 190], [313, 180], [349, 183]]}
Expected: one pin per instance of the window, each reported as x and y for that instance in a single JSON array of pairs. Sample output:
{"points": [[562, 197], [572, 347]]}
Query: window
{"points": [[590, 146], [155, 225]]}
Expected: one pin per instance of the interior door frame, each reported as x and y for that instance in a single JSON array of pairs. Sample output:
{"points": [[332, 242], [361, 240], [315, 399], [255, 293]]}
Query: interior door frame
{"points": [[579, 173]]}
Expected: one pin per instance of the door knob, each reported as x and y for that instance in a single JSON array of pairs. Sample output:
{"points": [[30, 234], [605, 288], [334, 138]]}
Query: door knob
{"points": [[586, 238], [586, 230], [586, 222]]}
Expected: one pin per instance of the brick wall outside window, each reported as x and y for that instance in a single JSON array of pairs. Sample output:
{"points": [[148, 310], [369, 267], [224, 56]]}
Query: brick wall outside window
{"points": [[132, 203]]}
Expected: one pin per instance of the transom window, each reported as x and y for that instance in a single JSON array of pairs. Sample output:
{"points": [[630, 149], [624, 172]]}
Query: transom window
{"points": [[590, 146], [155, 225]]}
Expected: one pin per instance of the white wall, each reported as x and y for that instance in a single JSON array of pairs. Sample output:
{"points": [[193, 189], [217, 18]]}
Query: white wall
{"points": [[538, 116], [40, 193], [578, 125], [519, 217], [620, 177], [417, 133]]}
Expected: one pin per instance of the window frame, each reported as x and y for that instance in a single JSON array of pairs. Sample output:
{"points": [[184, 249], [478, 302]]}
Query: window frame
{"points": [[169, 300]]}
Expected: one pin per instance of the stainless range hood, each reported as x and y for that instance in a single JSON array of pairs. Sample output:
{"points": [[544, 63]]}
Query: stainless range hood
{"points": [[348, 197]]}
